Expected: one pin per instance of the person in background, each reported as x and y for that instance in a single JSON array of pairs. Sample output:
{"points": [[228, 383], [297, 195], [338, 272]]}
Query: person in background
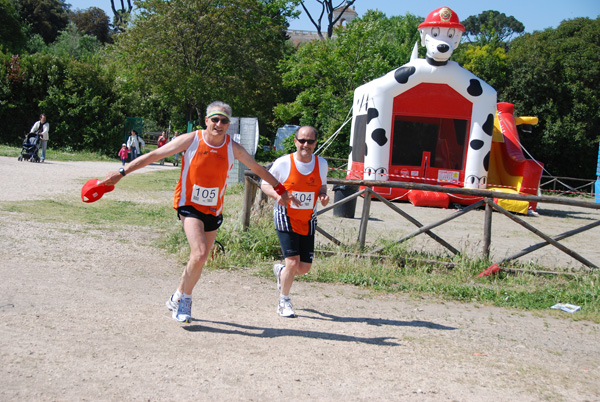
{"points": [[208, 157], [42, 127], [134, 144], [176, 156], [162, 140], [123, 154], [304, 175]]}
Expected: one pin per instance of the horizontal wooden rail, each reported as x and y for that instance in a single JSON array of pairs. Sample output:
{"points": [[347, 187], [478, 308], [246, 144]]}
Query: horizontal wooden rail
{"points": [[487, 198]]}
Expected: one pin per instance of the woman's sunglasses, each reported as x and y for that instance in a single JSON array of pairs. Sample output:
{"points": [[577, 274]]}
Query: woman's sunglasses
{"points": [[215, 120], [303, 141]]}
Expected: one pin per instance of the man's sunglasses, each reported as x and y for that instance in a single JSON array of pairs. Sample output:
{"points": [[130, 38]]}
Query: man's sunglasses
{"points": [[224, 120], [303, 141]]}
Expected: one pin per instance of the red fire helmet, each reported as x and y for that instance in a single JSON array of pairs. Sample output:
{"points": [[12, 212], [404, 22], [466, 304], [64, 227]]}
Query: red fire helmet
{"points": [[442, 17]]}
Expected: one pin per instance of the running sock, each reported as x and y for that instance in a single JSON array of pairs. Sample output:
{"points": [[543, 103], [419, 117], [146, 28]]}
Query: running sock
{"points": [[186, 296]]}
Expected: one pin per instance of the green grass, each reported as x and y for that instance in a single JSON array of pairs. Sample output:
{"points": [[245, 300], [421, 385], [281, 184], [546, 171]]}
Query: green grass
{"points": [[397, 271], [71, 156], [60, 155]]}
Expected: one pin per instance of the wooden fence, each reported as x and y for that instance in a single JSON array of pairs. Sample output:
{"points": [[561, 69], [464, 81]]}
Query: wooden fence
{"points": [[487, 200], [567, 185]]}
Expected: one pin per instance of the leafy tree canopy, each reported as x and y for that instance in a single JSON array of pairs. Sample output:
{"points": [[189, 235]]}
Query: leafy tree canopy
{"points": [[80, 99], [324, 74], [185, 54], [491, 26], [489, 62], [93, 21], [73, 44], [555, 75], [46, 17], [11, 32]]}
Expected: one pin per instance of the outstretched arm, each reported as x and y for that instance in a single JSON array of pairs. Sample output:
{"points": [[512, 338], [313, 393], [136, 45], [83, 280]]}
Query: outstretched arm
{"points": [[283, 197], [179, 144]]}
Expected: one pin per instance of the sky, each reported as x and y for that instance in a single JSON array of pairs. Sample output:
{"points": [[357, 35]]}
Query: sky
{"points": [[534, 14]]}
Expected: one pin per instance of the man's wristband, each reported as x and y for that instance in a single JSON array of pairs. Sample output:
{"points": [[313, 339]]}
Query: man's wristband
{"points": [[279, 189], [122, 171]]}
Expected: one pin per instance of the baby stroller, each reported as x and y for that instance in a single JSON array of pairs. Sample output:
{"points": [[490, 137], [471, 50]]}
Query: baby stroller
{"points": [[31, 146]]}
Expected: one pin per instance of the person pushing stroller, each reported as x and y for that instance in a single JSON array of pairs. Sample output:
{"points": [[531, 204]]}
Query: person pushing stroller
{"points": [[34, 139], [42, 128]]}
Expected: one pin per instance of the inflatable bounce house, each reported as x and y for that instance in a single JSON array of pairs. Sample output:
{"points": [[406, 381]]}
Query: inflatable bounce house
{"points": [[432, 121]]}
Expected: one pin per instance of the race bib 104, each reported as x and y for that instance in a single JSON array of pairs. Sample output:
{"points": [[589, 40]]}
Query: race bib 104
{"points": [[307, 200], [205, 196]]}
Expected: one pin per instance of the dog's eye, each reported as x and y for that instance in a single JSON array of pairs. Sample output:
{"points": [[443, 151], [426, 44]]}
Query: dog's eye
{"points": [[451, 32], [435, 32]]}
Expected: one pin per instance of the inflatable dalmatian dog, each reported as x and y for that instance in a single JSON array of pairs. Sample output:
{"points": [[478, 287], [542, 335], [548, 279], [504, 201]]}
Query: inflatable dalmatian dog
{"points": [[440, 34]]}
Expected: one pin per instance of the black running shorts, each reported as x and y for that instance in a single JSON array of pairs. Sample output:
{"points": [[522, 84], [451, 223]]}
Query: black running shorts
{"points": [[211, 222], [293, 244]]}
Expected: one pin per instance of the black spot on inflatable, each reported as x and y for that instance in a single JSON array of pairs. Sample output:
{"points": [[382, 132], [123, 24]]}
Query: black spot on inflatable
{"points": [[476, 144], [488, 126], [475, 88], [486, 162], [403, 73], [379, 136], [371, 114], [366, 149]]}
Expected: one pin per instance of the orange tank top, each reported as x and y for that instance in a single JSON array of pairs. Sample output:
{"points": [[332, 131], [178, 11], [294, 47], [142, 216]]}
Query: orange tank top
{"points": [[306, 189], [204, 172]]}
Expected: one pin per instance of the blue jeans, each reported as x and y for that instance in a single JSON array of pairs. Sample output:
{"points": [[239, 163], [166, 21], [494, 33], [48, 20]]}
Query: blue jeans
{"points": [[44, 146], [134, 153]]}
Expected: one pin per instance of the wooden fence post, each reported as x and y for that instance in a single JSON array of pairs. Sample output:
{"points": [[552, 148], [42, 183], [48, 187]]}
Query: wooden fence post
{"points": [[362, 233], [487, 229], [249, 192]]}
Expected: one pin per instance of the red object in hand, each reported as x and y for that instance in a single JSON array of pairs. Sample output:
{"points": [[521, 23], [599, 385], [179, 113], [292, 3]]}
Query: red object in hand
{"points": [[92, 190]]}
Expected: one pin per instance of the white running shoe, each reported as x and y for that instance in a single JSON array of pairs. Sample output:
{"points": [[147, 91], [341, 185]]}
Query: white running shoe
{"points": [[172, 304], [277, 268], [285, 309], [184, 310]]}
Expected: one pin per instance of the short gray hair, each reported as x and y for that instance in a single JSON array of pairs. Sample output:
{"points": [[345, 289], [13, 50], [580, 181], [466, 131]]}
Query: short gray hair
{"points": [[219, 105]]}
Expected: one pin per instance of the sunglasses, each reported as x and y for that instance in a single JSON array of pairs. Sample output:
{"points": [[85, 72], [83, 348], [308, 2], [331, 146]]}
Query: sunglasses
{"points": [[303, 141], [224, 120]]}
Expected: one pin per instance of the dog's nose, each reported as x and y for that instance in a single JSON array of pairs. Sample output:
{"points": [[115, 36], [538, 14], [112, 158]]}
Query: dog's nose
{"points": [[443, 48]]}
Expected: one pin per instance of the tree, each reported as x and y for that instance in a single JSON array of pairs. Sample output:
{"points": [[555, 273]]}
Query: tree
{"points": [[121, 15], [184, 54], [93, 21], [73, 44], [324, 74], [555, 75], [327, 7], [80, 99], [46, 17], [491, 27], [489, 62], [11, 32]]}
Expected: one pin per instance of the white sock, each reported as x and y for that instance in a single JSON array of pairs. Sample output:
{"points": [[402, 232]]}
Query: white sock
{"points": [[282, 297], [186, 296], [176, 296]]}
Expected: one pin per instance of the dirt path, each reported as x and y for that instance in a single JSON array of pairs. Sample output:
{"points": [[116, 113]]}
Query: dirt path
{"points": [[84, 319]]}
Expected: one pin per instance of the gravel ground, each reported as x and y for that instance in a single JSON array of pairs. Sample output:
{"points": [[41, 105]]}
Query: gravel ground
{"points": [[83, 318]]}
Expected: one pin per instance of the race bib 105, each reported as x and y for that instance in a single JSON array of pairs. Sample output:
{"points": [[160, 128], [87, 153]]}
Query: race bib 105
{"points": [[205, 196]]}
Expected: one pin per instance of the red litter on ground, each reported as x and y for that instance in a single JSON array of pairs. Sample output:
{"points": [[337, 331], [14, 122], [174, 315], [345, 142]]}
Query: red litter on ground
{"points": [[92, 190], [492, 269]]}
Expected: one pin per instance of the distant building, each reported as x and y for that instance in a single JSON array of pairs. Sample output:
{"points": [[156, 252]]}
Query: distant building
{"points": [[299, 36]]}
